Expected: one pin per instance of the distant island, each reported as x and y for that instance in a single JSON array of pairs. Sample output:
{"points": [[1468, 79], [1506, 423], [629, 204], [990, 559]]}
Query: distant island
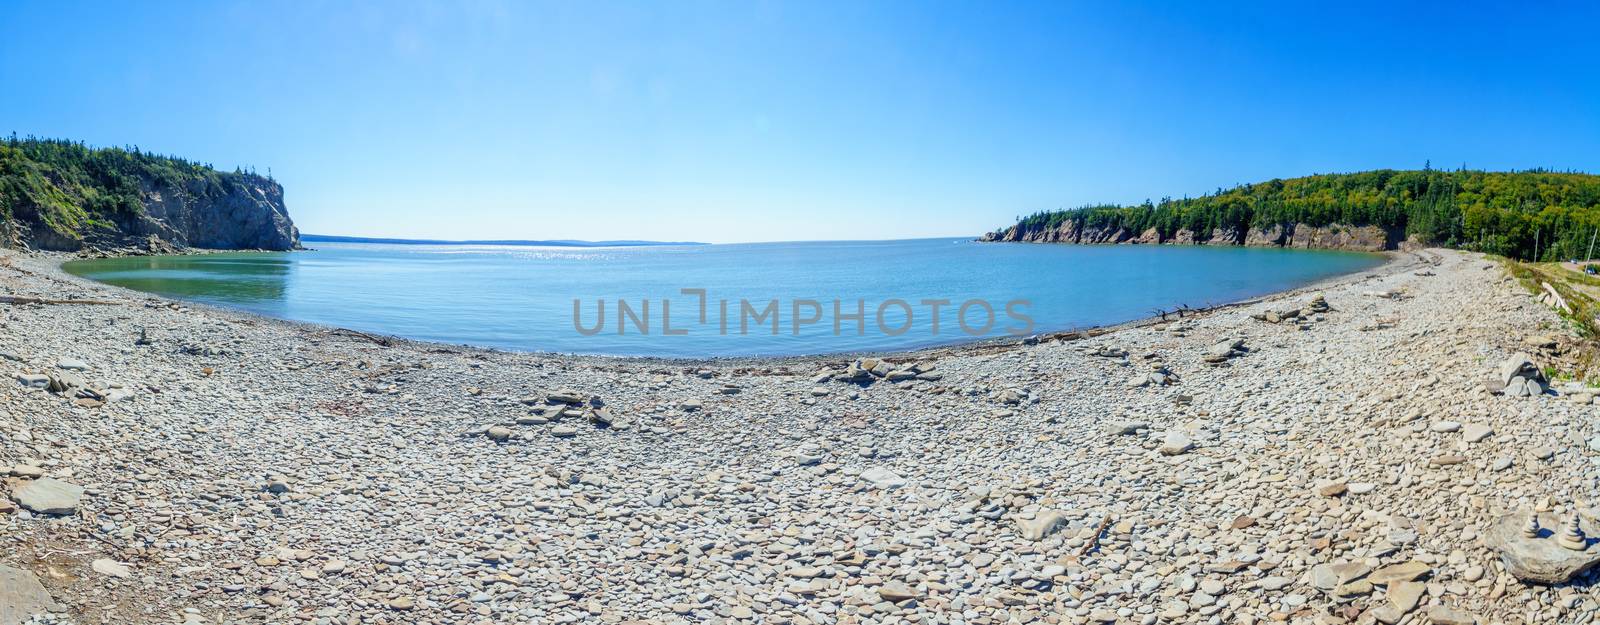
{"points": [[1535, 214], [328, 238]]}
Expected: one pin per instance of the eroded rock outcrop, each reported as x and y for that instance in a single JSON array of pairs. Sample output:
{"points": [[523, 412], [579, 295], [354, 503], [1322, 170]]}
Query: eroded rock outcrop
{"points": [[1332, 236]]}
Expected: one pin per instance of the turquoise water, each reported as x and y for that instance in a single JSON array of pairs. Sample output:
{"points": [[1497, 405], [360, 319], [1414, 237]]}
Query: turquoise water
{"points": [[522, 297]]}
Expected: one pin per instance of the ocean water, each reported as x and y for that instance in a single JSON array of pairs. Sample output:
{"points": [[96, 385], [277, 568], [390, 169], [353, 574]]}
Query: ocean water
{"points": [[523, 298]]}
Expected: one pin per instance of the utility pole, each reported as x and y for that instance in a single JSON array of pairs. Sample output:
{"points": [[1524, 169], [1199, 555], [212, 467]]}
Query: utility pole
{"points": [[1536, 245], [1590, 256]]}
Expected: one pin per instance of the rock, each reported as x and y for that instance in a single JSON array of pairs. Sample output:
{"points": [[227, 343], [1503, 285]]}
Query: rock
{"points": [[808, 455], [1519, 365], [49, 496], [1332, 577], [72, 364], [401, 603], [1275, 583], [28, 471], [498, 433], [880, 477], [895, 592], [564, 431], [1444, 427], [1175, 442], [1224, 350], [1402, 572], [1332, 489], [1476, 432], [1446, 615], [107, 566], [65, 382], [277, 484], [1043, 524], [1404, 596], [568, 397], [34, 380], [1124, 428], [21, 596], [1539, 560], [1362, 488]]}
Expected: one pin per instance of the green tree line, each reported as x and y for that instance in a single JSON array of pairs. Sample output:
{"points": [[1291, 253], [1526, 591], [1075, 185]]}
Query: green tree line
{"points": [[1521, 214]]}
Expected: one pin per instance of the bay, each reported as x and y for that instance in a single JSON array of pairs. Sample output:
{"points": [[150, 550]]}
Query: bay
{"points": [[522, 297]]}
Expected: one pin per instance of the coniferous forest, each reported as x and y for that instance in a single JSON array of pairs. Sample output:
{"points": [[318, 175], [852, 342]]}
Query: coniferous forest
{"points": [[1534, 214]]}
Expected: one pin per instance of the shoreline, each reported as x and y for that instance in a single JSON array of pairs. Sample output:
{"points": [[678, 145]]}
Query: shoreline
{"points": [[236, 467], [1392, 259]]}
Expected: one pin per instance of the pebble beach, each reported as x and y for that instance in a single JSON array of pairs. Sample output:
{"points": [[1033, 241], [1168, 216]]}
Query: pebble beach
{"points": [[1335, 454]]}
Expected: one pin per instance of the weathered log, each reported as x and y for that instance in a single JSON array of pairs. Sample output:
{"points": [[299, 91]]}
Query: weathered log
{"points": [[19, 300]]}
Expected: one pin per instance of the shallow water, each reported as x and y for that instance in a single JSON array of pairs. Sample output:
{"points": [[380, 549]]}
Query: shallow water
{"points": [[523, 297]]}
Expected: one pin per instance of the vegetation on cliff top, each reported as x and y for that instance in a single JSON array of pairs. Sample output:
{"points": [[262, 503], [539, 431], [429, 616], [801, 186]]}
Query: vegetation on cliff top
{"points": [[1506, 213], [72, 189]]}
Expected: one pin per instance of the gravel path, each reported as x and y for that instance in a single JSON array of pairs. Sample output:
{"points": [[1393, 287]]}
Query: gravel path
{"points": [[242, 470]]}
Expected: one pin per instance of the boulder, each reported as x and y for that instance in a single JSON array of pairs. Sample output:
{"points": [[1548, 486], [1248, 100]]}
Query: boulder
{"points": [[1540, 560], [1175, 442], [48, 495], [1224, 350], [21, 596], [1519, 365]]}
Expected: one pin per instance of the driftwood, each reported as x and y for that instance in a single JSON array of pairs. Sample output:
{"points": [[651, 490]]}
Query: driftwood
{"points": [[1094, 541], [381, 340], [18, 300]]}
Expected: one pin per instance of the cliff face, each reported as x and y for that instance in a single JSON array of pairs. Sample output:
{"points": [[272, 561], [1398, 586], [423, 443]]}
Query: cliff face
{"points": [[247, 214], [1332, 236], [60, 195]]}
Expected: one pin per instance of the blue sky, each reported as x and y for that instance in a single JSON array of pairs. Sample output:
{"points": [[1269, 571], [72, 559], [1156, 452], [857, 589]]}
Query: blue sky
{"points": [[751, 121]]}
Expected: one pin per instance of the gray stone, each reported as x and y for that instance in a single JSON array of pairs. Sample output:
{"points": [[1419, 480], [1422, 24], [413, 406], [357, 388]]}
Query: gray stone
{"points": [[1043, 524], [1175, 442], [48, 495], [1519, 365], [21, 596], [1475, 432], [1540, 560], [1446, 615], [880, 477]]}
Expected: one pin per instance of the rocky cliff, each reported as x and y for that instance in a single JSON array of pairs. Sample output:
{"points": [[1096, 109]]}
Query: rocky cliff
{"points": [[1332, 236], [64, 196]]}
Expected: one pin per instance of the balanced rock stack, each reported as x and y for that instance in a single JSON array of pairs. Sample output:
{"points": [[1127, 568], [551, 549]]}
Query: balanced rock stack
{"points": [[1518, 376], [1107, 351], [1304, 314], [1158, 375]]}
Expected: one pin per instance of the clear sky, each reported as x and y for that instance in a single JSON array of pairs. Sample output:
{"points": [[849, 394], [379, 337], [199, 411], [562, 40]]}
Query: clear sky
{"points": [[752, 121]]}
